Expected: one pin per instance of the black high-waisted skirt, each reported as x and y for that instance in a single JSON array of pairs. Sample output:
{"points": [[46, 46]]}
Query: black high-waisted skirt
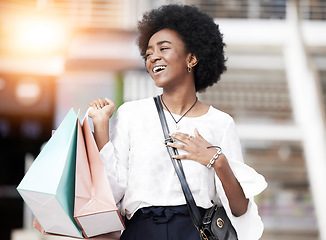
{"points": [[161, 223]]}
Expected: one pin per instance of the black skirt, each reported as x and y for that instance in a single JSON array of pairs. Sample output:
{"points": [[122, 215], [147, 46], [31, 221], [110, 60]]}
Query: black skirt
{"points": [[161, 223]]}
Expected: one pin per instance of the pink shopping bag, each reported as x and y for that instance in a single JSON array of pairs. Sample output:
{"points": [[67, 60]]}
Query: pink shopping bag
{"points": [[108, 236], [95, 209]]}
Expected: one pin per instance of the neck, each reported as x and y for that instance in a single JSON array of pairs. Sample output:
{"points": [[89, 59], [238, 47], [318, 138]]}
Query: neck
{"points": [[179, 103]]}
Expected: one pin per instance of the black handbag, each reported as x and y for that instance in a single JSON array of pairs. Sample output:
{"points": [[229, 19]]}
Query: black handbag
{"points": [[215, 225]]}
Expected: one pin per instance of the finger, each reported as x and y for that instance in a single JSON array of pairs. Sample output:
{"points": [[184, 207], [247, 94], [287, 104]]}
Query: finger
{"points": [[197, 134], [110, 102], [107, 100], [180, 156], [182, 137], [101, 102], [93, 104], [177, 145]]}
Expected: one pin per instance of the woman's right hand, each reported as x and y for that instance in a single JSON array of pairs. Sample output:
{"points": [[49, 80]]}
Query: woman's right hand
{"points": [[101, 108], [101, 112]]}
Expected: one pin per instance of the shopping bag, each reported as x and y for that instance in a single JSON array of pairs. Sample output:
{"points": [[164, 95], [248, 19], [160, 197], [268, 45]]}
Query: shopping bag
{"points": [[95, 209], [108, 236], [48, 188]]}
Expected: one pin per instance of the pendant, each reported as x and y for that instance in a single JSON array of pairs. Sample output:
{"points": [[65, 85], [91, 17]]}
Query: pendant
{"points": [[177, 126]]}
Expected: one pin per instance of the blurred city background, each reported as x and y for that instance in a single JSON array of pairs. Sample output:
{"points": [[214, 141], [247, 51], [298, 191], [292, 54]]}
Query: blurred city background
{"points": [[58, 54]]}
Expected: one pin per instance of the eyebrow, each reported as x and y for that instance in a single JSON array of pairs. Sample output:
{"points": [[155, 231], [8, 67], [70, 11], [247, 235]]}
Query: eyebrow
{"points": [[159, 43]]}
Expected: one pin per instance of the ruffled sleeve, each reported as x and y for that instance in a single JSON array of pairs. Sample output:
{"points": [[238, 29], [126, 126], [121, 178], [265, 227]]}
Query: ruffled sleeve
{"points": [[248, 226]]}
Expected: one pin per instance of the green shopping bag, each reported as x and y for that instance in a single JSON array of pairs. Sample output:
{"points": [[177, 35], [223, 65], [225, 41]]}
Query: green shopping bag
{"points": [[48, 187]]}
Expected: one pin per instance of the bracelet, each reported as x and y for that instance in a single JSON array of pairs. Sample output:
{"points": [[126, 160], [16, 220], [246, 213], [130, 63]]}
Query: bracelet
{"points": [[212, 161]]}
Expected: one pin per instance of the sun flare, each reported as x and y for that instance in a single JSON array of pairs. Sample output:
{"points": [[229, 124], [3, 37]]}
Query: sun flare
{"points": [[36, 35]]}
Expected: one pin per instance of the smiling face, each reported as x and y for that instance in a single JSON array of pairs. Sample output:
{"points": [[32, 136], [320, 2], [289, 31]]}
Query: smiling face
{"points": [[166, 59]]}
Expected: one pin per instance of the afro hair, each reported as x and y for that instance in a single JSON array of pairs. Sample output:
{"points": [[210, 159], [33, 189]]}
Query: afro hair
{"points": [[198, 31]]}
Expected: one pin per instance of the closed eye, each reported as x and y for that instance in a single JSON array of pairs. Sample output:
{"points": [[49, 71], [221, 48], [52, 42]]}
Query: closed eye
{"points": [[147, 55]]}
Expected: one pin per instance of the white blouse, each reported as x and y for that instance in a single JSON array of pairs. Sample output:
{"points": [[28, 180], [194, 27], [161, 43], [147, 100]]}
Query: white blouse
{"points": [[141, 173]]}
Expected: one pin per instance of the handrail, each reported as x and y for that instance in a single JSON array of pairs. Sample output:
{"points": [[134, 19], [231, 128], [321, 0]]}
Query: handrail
{"points": [[123, 14]]}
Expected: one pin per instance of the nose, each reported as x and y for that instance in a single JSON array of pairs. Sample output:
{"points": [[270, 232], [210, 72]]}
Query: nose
{"points": [[154, 57]]}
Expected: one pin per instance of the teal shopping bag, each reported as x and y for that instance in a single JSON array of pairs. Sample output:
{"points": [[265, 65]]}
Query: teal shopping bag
{"points": [[48, 188]]}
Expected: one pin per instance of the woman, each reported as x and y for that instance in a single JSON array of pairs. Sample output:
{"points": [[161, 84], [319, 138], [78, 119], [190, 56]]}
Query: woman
{"points": [[183, 52]]}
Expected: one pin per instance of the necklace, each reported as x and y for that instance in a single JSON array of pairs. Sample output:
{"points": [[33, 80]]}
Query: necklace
{"points": [[176, 122]]}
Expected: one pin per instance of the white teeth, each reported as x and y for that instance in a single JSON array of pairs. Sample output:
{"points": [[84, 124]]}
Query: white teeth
{"points": [[158, 68]]}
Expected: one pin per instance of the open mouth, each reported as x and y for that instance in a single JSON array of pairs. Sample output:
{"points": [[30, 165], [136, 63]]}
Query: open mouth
{"points": [[158, 69]]}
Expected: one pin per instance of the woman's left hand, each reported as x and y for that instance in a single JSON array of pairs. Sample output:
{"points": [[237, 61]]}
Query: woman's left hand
{"points": [[197, 150], [196, 146]]}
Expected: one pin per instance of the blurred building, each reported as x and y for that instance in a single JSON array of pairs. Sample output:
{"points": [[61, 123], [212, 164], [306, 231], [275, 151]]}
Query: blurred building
{"points": [[57, 54]]}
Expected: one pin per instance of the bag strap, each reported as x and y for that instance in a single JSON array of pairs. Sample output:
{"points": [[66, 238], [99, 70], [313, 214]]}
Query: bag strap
{"points": [[193, 210]]}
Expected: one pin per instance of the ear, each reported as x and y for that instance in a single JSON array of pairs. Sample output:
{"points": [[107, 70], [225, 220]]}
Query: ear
{"points": [[192, 60]]}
